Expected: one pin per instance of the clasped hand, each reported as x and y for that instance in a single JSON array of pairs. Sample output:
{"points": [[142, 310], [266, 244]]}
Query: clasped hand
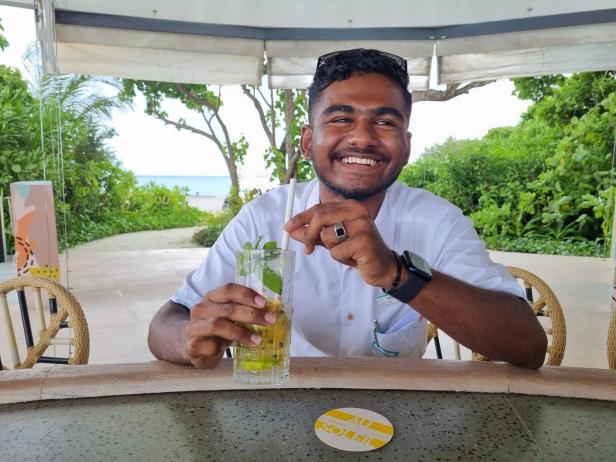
{"points": [[363, 249]]}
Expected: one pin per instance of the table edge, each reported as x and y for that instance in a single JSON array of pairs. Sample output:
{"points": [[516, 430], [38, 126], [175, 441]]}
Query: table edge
{"points": [[70, 382]]}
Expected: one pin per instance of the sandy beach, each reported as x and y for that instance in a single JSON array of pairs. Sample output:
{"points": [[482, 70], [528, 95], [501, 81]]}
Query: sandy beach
{"points": [[207, 203]]}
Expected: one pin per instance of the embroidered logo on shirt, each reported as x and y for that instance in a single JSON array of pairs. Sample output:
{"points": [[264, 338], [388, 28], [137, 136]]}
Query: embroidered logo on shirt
{"points": [[377, 347]]}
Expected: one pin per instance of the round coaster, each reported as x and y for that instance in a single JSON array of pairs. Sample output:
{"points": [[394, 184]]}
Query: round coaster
{"points": [[354, 429]]}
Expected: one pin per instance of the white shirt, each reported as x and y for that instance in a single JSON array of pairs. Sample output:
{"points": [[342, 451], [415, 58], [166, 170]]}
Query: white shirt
{"points": [[334, 310]]}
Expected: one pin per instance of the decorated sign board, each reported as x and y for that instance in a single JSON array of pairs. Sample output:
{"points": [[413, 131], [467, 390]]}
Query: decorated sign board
{"points": [[34, 228]]}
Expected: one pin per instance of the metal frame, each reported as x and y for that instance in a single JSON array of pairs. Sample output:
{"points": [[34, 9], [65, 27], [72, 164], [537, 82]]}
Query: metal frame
{"points": [[361, 33]]}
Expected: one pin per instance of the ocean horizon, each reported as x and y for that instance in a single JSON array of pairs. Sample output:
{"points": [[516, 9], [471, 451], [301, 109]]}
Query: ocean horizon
{"points": [[217, 186]]}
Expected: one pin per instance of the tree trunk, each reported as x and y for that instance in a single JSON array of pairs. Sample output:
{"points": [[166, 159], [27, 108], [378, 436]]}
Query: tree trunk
{"points": [[235, 180]]}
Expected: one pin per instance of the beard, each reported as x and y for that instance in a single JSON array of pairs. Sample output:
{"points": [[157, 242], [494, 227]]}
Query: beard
{"points": [[349, 191]]}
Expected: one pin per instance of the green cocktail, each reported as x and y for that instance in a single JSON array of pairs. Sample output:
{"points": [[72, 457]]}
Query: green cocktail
{"points": [[268, 271]]}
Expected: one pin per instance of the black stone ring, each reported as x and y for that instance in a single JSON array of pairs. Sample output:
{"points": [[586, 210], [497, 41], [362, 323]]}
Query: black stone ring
{"points": [[340, 231]]}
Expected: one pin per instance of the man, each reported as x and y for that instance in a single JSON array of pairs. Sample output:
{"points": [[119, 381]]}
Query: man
{"points": [[375, 258]]}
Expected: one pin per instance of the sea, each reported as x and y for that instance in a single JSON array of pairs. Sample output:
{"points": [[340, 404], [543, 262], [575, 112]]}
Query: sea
{"points": [[217, 186]]}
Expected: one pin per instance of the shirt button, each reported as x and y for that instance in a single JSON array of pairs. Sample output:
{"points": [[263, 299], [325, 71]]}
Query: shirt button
{"points": [[350, 316]]}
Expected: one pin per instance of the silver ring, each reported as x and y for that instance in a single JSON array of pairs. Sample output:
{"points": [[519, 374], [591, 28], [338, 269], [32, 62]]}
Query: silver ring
{"points": [[340, 231]]}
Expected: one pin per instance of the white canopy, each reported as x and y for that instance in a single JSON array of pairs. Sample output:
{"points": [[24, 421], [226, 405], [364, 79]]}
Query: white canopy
{"points": [[208, 41]]}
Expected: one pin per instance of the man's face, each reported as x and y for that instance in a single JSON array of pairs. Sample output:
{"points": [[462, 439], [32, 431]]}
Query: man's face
{"points": [[358, 140]]}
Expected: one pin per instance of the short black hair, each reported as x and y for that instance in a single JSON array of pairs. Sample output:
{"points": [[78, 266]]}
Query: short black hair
{"points": [[342, 65]]}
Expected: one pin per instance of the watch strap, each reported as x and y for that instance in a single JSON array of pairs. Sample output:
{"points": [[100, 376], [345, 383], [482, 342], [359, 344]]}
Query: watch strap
{"points": [[396, 282], [412, 286], [409, 290]]}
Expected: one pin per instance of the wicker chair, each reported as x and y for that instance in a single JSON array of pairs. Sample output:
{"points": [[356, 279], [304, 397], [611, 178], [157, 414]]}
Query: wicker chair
{"points": [[544, 303], [64, 312]]}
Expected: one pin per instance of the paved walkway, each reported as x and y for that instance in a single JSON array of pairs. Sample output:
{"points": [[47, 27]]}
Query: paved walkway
{"points": [[121, 281]]}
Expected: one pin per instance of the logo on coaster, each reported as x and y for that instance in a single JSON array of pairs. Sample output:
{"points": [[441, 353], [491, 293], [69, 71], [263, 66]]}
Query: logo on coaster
{"points": [[354, 429]]}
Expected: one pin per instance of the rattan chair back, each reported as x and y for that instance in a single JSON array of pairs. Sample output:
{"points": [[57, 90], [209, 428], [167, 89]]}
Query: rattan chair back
{"points": [[64, 313], [545, 304]]}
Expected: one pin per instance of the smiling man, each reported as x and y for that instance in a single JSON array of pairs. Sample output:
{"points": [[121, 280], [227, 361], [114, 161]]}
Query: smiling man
{"points": [[375, 258]]}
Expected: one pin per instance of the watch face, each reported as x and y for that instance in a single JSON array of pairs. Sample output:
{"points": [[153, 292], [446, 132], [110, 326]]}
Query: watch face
{"points": [[421, 264]]}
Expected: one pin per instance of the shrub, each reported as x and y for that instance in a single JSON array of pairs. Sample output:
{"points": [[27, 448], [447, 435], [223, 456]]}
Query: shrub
{"points": [[545, 185], [548, 246], [212, 226]]}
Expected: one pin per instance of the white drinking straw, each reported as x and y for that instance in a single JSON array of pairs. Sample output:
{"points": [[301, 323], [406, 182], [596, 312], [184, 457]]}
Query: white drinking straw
{"points": [[288, 212]]}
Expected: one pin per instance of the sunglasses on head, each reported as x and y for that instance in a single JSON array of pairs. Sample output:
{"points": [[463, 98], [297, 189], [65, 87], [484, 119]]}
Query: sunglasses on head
{"points": [[401, 62]]}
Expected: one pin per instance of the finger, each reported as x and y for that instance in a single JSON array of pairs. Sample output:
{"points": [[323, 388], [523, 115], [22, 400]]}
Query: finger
{"points": [[300, 220], [353, 228], [205, 347], [223, 328], [326, 216], [237, 313], [344, 253], [205, 353], [236, 293]]}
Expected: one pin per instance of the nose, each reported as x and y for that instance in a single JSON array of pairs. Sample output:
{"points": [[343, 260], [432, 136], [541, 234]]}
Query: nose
{"points": [[362, 136]]}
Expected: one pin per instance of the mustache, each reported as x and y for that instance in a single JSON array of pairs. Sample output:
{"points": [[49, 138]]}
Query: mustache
{"points": [[368, 152]]}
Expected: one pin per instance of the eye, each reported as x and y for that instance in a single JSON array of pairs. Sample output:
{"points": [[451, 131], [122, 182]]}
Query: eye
{"points": [[385, 122], [341, 120]]}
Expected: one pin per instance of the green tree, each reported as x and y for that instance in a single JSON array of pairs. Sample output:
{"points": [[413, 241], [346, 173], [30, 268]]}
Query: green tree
{"points": [[546, 181], [286, 111], [61, 137], [199, 99], [537, 88]]}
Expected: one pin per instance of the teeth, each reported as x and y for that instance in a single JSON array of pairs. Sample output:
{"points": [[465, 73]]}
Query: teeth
{"points": [[358, 160]]}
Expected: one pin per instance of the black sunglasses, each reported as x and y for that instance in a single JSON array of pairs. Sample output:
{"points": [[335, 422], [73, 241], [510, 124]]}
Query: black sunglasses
{"points": [[401, 62]]}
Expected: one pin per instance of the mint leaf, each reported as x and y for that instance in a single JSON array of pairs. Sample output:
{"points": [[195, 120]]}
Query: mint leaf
{"points": [[271, 245], [272, 280]]}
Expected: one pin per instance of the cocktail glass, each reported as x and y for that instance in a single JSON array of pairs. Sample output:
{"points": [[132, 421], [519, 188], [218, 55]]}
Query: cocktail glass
{"points": [[270, 273]]}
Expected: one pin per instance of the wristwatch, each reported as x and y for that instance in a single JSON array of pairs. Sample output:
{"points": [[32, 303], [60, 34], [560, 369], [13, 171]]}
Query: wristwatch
{"points": [[420, 276]]}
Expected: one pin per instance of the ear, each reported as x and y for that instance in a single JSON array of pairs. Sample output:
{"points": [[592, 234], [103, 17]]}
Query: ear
{"points": [[408, 150], [306, 142]]}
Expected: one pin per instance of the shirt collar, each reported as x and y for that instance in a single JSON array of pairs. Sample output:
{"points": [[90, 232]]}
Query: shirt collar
{"points": [[384, 221]]}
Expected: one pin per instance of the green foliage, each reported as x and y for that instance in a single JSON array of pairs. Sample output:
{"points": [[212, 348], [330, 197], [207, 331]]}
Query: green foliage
{"points": [[573, 98], [566, 246], [475, 173], [97, 197], [149, 207], [248, 262], [275, 159], [235, 201], [3, 42], [212, 225], [545, 184], [192, 96], [537, 88]]}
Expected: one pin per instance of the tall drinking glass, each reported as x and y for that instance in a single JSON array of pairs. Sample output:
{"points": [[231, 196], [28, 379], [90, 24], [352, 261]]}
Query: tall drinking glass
{"points": [[270, 273]]}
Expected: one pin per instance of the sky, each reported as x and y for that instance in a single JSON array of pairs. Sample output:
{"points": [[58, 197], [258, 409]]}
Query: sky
{"points": [[148, 147]]}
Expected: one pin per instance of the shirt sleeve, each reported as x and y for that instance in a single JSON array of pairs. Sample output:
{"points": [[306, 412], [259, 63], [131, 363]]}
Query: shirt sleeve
{"points": [[218, 268], [463, 255]]}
